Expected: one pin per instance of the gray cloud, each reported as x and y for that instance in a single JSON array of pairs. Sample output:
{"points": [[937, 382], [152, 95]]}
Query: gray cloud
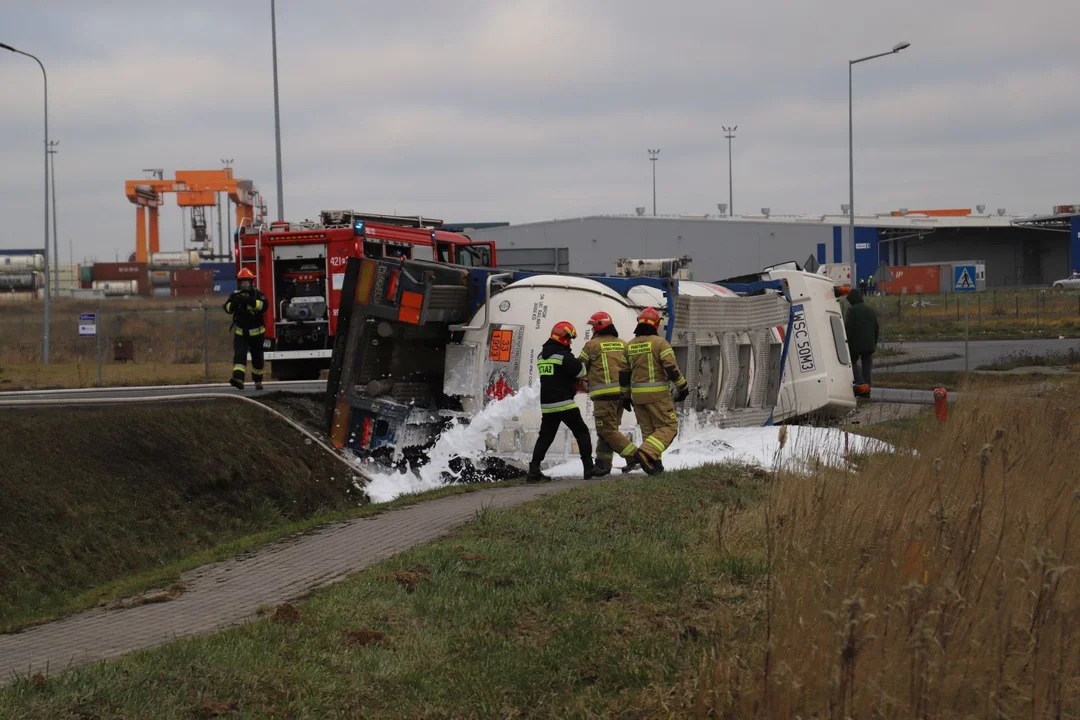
{"points": [[533, 109]]}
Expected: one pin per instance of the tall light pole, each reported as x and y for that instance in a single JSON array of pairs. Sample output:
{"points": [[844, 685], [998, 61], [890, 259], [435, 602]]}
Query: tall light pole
{"points": [[55, 234], [730, 135], [851, 158], [45, 326], [277, 114], [652, 159], [227, 162]]}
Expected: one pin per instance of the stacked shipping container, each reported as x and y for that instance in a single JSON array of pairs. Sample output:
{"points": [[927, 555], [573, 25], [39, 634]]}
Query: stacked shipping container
{"points": [[191, 283]]}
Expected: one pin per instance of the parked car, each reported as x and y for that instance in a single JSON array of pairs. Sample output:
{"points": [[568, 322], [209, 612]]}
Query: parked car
{"points": [[1070, 283]]}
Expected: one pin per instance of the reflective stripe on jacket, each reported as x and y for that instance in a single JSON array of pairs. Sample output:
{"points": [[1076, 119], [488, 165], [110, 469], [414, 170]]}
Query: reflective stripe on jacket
{"points": [[652, 368], [559, 373], [247, 309], [604, 357]]}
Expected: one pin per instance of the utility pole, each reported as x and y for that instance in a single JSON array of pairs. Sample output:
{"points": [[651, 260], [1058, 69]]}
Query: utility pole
{"points": [[851, 154], [45, 81], [652, 159], [56, 241], [277, 114], [730, 135], [227, 162]]}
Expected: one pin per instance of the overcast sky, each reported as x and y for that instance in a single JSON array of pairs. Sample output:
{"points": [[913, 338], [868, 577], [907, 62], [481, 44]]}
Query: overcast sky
{"points": [[478, 110]]}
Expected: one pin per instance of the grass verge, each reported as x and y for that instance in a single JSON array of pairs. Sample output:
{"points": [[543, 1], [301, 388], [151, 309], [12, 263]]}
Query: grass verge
{"points": [[595, 602], [94, 495], [958, 380], [941, 584], [1068, 358], [126, 499]]}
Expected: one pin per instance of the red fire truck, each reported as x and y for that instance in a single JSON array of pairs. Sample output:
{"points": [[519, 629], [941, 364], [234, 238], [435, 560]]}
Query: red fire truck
{"points": [[301, 267]]}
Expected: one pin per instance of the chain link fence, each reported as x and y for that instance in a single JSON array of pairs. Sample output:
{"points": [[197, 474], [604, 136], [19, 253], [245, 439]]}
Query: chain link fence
{"points": [[140, 341], [989, 314]]}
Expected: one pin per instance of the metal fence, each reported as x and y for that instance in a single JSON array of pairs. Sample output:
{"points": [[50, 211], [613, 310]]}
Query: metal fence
{"points": [[130, 332], [989, 313]]}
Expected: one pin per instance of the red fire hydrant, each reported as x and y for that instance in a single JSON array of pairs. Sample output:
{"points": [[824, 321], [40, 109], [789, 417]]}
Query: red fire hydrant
{"points": [[941, 403]]}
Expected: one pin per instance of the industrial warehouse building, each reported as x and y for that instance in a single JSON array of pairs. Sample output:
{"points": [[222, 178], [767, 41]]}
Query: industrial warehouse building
{"points": [[1017, 251]]}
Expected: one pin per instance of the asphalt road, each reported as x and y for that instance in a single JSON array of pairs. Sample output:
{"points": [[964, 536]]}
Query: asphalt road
{"points": [[10, 399], [981, 352]]}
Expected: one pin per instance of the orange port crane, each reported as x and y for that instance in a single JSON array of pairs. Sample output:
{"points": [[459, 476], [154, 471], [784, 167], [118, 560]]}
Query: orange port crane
{"points": [[195, 189]]}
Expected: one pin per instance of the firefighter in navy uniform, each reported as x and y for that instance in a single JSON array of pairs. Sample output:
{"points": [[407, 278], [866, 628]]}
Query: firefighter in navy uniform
{"points": [[247, 305], [607, 373], [561, 375], [652, 371]]}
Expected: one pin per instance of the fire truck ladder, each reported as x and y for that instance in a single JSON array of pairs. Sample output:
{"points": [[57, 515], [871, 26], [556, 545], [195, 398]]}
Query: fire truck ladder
{"points": [[255, 246]]}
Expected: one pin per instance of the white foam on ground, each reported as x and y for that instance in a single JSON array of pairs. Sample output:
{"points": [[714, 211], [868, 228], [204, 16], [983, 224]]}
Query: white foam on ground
{"points": [[697, 444], [461, 440]]}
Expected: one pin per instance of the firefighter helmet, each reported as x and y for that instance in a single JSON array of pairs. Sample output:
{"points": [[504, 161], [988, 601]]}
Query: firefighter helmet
{"points": [[600, 320], [245, 274], [649, 316], [564, 332]]}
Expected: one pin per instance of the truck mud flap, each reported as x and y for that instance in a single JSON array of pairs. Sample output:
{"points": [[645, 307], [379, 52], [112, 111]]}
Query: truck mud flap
{"points": [[345, 316]]}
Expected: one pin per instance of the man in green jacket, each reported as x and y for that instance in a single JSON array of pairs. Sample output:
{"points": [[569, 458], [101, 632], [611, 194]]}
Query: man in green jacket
{"points": [[863, 332]]}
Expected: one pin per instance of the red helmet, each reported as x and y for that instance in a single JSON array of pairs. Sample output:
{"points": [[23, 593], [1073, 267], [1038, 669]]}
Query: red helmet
{"points": [[649, 316], [600, 320], [245, 274], [564, 332]]}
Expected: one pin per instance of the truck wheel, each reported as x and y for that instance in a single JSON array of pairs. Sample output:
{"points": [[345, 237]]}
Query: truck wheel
{"points": [[309, 370], [285, 370]]}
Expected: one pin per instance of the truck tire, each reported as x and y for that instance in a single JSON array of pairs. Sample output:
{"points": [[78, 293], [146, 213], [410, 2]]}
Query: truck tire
{"points": [[286, 369]]}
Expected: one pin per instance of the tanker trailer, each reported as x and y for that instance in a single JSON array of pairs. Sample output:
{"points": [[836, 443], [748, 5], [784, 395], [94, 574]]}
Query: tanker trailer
{"points": [[424, 344]]}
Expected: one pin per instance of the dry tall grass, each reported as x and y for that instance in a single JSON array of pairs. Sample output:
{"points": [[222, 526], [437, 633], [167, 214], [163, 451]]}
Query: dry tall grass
{"points": [[933, 586]]}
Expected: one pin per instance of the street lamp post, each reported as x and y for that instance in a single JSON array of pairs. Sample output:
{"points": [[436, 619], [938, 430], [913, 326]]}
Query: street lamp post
{"points": [[851, 156], [277, 114], [55, 234], [730, 134], [45, 327], [652, 158]]}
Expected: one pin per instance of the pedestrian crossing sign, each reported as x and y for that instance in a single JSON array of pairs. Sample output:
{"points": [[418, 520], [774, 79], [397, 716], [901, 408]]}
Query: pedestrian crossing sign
{"points": [[964, 278]]}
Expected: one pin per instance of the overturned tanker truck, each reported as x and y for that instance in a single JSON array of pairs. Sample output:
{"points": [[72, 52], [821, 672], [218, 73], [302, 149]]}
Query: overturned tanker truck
{"points": [[421, 346]]}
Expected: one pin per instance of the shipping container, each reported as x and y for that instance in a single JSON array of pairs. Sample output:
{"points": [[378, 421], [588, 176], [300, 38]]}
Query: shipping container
{"points": [[117, 287], [160, 292], [120, 271], [181, 260], [27, 281], [191, 278], [86, 273], [189, 291], [86, 284], [15, 297], [224, 287], [159, 278], [87, 294], [222, 270], [21, 263], [913, 280]]}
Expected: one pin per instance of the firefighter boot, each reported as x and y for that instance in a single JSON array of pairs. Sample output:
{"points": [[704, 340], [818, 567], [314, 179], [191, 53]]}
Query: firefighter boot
{"points": [[602, 466], [589, 470], [631, 464], [236, 382], [258, 383], [650, 466], [535, 476]]}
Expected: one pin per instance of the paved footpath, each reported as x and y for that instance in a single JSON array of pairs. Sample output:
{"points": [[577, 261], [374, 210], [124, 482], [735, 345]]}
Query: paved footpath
{"points": [[229, 592]]}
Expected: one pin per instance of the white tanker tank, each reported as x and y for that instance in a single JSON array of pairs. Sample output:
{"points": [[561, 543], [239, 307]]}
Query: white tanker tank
{"points": [[185, 260], [117, 288], [21, 263], [498, 357]]}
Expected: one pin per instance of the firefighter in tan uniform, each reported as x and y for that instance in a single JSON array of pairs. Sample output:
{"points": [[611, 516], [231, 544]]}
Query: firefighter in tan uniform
{"points": [[608, 378], [652, 370]]}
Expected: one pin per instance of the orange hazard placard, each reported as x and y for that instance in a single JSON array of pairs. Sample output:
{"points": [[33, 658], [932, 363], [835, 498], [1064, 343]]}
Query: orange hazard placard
{"points": [[499, 347]]}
